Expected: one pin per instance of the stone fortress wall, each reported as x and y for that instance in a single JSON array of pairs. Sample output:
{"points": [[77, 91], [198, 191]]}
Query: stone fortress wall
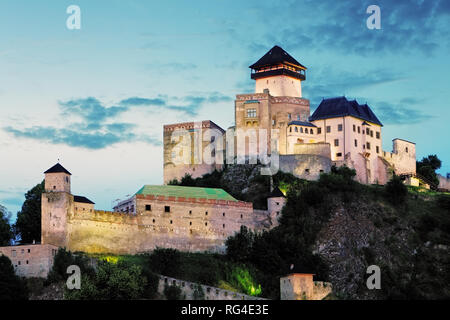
{"points": [[210, 293], [34, 260], [187, 224]]}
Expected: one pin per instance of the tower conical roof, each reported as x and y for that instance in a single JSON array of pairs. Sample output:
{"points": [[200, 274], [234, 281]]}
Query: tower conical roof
{"points": [[274, 56], [57, 168]]}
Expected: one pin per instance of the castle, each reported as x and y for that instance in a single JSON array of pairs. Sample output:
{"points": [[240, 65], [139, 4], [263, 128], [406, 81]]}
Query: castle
{"points": [[276, 120], [273, 125]]}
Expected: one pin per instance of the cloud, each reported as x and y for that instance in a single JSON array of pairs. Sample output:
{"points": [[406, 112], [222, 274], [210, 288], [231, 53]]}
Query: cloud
{"points": [[397, 113], [136, 101], [98, 128], [329, 82], [406, 25]]}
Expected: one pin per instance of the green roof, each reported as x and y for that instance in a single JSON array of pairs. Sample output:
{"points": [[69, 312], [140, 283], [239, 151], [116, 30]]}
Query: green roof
{"points": [[186, 192]]}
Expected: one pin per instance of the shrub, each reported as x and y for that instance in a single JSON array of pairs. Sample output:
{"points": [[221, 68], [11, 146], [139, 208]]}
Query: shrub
{"points": [[11, 286], [395, 190], [121, 281], [63, 259], [172, 292], [165, 262], [199, 294]]}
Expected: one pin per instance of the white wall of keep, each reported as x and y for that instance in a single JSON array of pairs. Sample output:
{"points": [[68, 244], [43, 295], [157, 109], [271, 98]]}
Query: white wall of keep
{"points": [[279, 86]]}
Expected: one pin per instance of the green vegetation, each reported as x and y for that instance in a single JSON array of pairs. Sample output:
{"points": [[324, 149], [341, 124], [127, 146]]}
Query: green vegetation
{"points": [[28, 224], [427, 168], [173, 292], [12, 287], [6, 233]]}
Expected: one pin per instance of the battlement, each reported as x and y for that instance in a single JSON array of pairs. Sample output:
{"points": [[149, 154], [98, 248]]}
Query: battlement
{"points": [[240, 204], [205, 124], [255, 97]]}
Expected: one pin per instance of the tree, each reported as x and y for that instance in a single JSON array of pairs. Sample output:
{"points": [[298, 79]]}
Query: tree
{"points": [[11, 286], [395, 190], [427, 168], [121, 281], [5, 228], [28, 224]]}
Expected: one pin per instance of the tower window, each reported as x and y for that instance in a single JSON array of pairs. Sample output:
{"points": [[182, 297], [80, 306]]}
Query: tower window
{"points": [[223, 214], [301, 129], [339, 154], [251, 113], [354, 128], [298, 117], [339, 127], [328, 129], [377, 134], [367, 131], [148, 207], [311, 131], [336, 142], [368, 145], [359, 129], [289, 116], [166, 208], [296, 129], [319, 130], [290, 129], [378, 149], [356, 143], [406, 149]]}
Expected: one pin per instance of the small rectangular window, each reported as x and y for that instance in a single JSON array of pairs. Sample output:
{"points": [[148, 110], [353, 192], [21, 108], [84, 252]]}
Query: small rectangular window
{"points": [[359, 129], [368, 145], [356, 143], [251, 113], [336, 142], [339, 127], [148, 207], [166, 208], [339, 154], [328, 129], [378, 149], [354, 128], [377, 134], [319, 130], [367, 131]]}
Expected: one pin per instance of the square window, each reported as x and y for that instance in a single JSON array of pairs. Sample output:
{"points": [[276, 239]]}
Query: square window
{"points": [[148, 207], [166, 208]]}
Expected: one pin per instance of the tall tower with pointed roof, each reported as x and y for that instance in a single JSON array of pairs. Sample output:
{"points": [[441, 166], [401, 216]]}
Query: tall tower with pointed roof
{"points": [[263, 116], [278, 72]]}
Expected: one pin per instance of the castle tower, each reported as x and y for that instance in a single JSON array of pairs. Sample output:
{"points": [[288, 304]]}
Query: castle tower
{"points": [[275, 203], [57, 179], [277, 101], [57, 201], [278, 72]]}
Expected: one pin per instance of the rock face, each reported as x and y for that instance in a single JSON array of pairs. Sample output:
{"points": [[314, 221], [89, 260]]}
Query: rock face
{"points": [[360, 234]]}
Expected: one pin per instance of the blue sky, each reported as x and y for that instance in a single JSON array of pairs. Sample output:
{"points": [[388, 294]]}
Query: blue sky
{"points": [[97, 98]]}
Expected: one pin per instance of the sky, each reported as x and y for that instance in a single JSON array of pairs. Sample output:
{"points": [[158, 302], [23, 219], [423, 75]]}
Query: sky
{"points": [[96, 98]]}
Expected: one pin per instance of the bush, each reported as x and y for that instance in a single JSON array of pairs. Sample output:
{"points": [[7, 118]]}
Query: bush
{"points": [[63, 259], [395, 190], [121, 281], [165, 262], [172, 292], [199, 294], [11, 286]]}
